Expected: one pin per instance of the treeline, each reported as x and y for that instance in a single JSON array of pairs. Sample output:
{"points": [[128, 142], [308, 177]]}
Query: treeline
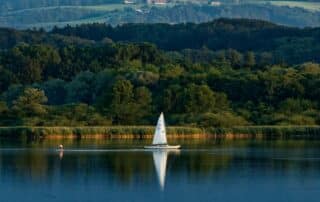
{"points": [[287, 45], [67, 83], [10, 38]]}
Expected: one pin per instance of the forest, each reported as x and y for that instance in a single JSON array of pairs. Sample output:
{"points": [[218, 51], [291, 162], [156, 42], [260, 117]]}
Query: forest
{"points": [[96, 75], [288, 45]]}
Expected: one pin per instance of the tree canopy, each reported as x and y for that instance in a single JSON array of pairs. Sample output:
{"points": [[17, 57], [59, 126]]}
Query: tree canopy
{"points": [[49, 82]]}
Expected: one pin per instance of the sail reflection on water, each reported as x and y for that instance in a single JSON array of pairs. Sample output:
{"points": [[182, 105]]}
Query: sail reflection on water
{"points": [[160, 158]]}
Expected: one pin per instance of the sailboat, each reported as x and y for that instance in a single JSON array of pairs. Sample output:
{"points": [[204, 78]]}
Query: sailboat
{"points": [[160, 137]]}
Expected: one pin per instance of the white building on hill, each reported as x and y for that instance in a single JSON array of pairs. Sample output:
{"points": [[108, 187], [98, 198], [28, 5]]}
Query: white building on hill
{"points": [[157, 1]]}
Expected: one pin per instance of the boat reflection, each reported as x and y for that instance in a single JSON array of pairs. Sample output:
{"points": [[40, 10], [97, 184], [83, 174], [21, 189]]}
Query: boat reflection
{"points": [[160, 158], [61, 154]]}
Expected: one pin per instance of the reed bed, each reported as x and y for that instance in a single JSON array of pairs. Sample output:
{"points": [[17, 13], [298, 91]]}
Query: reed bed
{"points": [[145, 132], [138, 132], [273, 132]]}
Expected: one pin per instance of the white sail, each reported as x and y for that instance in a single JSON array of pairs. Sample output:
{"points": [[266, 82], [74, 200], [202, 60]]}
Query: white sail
{"points": [[160, 136], [160, 163]]}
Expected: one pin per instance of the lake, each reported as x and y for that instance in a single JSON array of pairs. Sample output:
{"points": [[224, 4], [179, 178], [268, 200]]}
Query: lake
{"points": [[203, 170]]}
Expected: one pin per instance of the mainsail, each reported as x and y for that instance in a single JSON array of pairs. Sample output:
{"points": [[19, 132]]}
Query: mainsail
{"points": [[160, 133]]}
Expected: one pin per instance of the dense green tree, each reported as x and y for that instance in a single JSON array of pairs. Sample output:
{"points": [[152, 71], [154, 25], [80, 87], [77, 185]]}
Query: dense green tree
{"points": [[30, 103], [30, 63], [12, 93], [198, 99], [75, 115], [4, 109], [143, 102], [170, 71], [282, 83], [144, 78], [265, 58], [221, 119], [170, 99], [123, 109], [249, 59], [291, 106], [6, 78], [55, 90], [80, 89], [234, 57]]}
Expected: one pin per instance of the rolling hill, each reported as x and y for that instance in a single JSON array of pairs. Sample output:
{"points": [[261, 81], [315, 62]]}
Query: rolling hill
{"points": [[50, 13]]}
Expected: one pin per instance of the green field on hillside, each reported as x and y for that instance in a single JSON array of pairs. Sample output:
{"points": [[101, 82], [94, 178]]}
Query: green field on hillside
{"points": [[105, 7], [311, 6], [48, 25], [99, 13], [280, 12]]}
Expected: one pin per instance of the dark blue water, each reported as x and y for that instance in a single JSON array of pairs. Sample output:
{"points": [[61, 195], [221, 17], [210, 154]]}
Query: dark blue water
{"points": [[242, 171]]}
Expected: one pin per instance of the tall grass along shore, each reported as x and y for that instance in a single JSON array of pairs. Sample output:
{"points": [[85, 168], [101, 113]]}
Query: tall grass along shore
{"points": [[146, 132], [305, 132], [136, 132]]}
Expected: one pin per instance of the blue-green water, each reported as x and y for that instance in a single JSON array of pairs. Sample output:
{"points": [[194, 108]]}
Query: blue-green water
{"points": [[220, 171]]}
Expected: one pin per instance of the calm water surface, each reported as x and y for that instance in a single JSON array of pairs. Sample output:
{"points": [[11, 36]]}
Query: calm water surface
{"points": [[211, 170]]}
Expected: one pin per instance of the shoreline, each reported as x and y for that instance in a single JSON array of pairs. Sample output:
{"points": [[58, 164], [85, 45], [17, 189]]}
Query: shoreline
{"points": [[96, 132], [146, 132], [126, 136]]}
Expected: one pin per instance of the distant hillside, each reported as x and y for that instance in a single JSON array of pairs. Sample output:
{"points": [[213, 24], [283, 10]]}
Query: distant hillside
{"points": [[52, 15], [27, 4]]}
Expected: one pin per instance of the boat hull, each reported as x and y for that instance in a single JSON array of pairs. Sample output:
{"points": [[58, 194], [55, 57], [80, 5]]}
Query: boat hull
{"points": [[162, 147]]}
